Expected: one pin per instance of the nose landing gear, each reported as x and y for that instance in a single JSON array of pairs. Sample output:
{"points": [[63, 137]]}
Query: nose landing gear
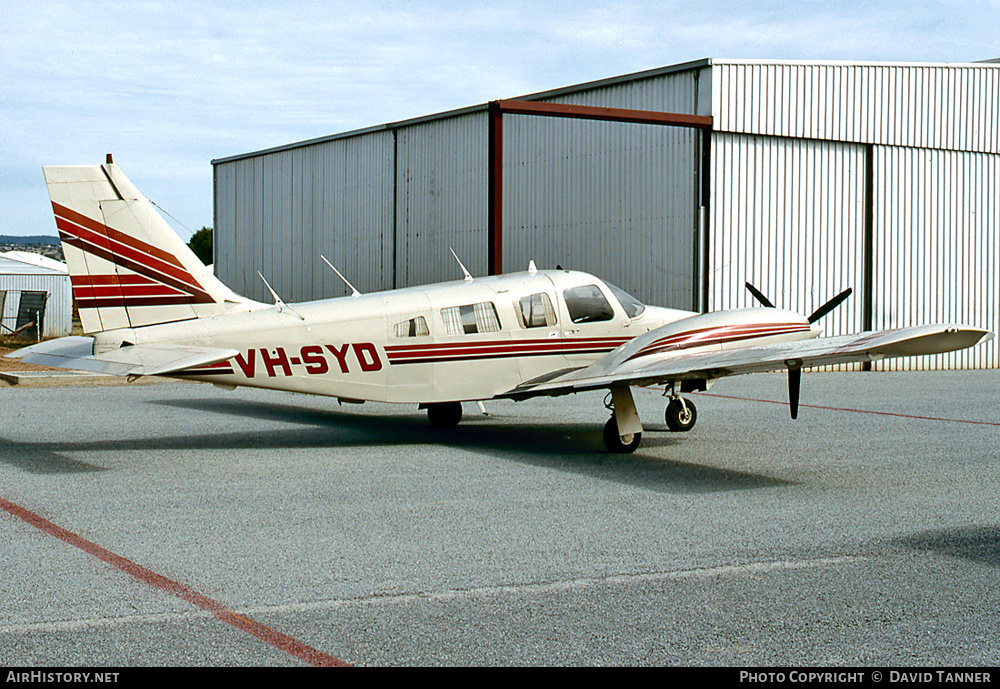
{"points": [[680, 413]]}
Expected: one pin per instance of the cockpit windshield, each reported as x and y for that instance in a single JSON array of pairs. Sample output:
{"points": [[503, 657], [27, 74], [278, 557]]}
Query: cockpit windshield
{"points": [[633, 307]]}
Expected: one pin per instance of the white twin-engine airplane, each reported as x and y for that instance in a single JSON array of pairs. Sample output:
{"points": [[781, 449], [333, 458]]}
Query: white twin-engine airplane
{"points": [[150, 308]]}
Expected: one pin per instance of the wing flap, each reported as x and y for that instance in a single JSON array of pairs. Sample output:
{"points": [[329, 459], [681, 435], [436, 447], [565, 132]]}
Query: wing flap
{"points": [[715, 363], [131, 360]]}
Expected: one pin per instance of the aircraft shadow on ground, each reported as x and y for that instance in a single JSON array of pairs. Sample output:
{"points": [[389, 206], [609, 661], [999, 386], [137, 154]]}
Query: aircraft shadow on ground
{"points": [[978, 543], [574, 447], [42, 458]]}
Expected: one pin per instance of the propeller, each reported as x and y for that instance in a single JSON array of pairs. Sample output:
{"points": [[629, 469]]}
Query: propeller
{"points": [[794, 385], [795, 365], [816, 315], [759, 296], [829, 306]]}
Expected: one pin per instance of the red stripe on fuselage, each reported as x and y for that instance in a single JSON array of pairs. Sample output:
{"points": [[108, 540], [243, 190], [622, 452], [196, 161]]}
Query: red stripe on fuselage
{"points": [[462, 351]]}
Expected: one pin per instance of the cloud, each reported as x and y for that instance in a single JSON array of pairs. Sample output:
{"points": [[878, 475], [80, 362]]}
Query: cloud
{"points": [[168, 86]]}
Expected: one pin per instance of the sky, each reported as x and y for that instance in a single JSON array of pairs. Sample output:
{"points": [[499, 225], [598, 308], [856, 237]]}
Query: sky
{"points": [[167, 87]]}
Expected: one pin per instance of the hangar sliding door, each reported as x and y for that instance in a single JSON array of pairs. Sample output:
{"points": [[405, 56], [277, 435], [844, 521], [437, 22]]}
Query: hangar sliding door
{"points": [[788, 215], [615, 199], [937, 247]]}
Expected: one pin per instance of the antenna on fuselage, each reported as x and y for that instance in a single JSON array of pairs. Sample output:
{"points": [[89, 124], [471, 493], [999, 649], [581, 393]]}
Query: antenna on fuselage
{"points": [[468, 276], [354, 292], [532, 268], [277, 300]]}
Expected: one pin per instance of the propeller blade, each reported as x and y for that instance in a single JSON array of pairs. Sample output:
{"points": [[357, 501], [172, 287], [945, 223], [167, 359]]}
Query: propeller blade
{"points": [[794, 385], [759, 296], [829, 306]]}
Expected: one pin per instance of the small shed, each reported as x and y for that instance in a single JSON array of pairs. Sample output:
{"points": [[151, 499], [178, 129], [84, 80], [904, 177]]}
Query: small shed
{"points": [[29, 293]]}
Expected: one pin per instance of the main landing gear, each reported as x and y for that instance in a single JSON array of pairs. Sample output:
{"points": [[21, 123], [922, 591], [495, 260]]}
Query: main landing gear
{"points": [[617, 443], [444, 415], [623, 431]]}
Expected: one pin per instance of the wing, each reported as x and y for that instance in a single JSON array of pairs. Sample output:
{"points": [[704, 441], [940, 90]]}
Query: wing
{"points": [[626, 365], [131, 360]]}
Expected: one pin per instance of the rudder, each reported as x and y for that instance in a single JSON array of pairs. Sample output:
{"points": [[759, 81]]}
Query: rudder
{"points": [[127, 266]]}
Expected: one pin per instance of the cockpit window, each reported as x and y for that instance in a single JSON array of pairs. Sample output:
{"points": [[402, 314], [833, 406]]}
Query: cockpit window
{"points": [[633, 307], [587, 304]]}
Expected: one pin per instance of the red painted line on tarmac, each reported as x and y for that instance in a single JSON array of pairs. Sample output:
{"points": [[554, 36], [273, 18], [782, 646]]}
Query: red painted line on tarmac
{"points": [[856, 411], [219, 611]]}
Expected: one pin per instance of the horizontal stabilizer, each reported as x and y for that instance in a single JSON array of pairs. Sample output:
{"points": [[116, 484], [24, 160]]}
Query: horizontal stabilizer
{"points": [[131, 360]]}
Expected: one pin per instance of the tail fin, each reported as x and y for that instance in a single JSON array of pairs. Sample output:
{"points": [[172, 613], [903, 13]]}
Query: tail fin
{"points": [[127, 266]]}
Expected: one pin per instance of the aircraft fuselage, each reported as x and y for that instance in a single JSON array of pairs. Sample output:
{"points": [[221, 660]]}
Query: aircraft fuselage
{"points": [[455, 341], [462, 340]]}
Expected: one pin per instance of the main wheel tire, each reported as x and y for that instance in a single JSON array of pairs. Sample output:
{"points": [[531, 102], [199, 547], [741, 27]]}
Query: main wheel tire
{"points": [[617, 443], [444, 415], [680, 419]]}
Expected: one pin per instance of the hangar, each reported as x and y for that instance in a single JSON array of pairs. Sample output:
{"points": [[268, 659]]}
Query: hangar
{"points": [[678, 184], [34, 290]]}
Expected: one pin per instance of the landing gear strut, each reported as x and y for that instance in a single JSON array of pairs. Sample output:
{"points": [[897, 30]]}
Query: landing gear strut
{"points": [[444, 415], [623, 431], [619, 444]]}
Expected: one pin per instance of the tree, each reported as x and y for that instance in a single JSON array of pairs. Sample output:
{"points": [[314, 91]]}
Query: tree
{"points": [[201, 245]]}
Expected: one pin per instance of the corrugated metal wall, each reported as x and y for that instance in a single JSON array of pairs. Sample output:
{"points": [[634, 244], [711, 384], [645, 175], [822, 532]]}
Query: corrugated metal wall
{"points": [[788, 217], [16, 278], [788, 193], [923, 106], [617, 200], [787, 210], [937, 247], [279, 212], [385, 206], [441, 199]]}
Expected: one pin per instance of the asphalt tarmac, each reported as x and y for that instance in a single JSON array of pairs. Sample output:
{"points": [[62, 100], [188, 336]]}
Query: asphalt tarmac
{"points": [[179, 524]]}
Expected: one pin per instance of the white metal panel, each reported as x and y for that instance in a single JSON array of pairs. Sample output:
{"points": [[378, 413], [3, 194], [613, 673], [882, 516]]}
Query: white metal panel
{"points": [[788, 217], [927, 106], [937, 247]]}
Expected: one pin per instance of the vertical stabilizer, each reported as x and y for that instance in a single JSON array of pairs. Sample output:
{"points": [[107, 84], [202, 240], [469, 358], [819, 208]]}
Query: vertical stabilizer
{"points": [[127, 266]]}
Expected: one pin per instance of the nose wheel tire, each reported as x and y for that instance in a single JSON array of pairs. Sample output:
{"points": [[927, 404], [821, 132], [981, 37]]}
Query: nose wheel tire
{"points": [[680, 415], [619, 444], [444, 415]]}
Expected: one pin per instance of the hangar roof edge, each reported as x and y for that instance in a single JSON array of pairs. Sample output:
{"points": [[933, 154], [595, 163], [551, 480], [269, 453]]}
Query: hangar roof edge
{"points": [[599, 83], [482, 107]]}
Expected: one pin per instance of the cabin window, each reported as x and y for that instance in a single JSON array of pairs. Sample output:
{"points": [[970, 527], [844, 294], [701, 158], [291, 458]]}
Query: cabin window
{"points": [[471, 318], [536, 311], [415, 327], [587, 304]]}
